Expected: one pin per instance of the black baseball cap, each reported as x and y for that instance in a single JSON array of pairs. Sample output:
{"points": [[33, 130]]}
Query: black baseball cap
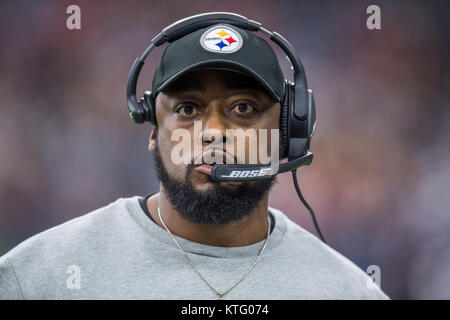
{"points": [[221, 46]]}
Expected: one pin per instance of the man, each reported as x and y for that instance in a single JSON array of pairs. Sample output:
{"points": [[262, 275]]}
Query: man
{"points": [[196, 238]]}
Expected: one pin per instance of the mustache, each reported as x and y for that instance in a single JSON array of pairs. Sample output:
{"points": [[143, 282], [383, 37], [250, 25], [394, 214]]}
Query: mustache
{"points": [[210, 154]]}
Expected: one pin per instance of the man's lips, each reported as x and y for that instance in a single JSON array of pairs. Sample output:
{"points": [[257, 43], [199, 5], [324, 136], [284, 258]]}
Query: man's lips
{"points": [[204, 168]]}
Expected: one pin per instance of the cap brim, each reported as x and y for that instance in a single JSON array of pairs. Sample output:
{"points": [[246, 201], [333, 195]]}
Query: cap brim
{"points": [[221, 64]]}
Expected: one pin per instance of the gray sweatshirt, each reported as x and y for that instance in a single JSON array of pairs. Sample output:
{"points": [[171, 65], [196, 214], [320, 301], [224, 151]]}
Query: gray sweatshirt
{"points": [[119, 252]]}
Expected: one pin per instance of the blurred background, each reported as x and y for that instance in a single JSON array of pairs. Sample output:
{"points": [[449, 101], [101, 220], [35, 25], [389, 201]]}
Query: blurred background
{"points": [[380, 179]]}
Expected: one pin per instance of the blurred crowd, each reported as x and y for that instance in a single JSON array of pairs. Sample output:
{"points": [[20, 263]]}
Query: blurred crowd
{"points": [[379, 182]]}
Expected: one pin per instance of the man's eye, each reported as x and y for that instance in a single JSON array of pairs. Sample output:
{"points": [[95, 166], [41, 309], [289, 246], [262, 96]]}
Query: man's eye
{"points": [[242, 108], [187, 110]]}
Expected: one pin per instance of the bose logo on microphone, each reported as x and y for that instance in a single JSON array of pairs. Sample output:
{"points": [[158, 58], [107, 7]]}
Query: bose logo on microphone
{"points": [[248, 173]]}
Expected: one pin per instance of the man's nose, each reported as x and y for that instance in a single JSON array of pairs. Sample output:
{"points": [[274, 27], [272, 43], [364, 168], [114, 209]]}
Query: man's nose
{"points": [[214, 128]]}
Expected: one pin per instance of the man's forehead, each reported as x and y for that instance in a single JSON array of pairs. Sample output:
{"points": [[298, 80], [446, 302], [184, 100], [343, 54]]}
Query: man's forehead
{"points": [[198, 80]]}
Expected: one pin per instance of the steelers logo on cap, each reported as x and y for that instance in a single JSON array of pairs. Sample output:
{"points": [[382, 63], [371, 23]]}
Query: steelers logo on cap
{"points": [[221, 39]]}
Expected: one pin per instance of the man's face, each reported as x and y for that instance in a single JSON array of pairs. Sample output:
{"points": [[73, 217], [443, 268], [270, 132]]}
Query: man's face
{"points": [[219, 100]]}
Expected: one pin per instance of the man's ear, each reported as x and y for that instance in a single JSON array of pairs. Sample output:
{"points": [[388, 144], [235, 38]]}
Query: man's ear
{"points": [[152, 140]]}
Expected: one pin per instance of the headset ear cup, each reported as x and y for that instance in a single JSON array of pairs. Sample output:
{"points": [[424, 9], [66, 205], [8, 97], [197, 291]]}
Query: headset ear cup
{"points": [[138, 116], [150, 107], [311, 117], [284, 121]]}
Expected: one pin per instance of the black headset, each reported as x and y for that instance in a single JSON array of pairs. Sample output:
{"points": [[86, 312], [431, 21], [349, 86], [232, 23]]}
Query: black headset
{"points": [[297, 116]]}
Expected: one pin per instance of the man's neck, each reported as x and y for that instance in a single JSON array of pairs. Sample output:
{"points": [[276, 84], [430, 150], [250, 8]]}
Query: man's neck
{"points": [[247, 231]]}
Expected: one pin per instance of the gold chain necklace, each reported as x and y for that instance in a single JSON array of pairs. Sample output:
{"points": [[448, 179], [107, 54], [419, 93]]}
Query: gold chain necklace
{"points": [[219, 293]]}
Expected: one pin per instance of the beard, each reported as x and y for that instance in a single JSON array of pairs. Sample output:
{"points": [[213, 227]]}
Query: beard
{"points": [[218, 204]]}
